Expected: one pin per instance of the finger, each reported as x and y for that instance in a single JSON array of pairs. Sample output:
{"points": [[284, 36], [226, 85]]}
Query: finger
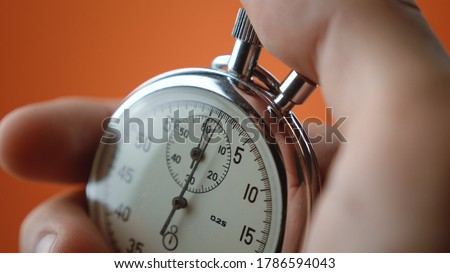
{"points": [[354, 49], [61, 224], [54, 140], [324, 147], [375, 61], [289, 30]]}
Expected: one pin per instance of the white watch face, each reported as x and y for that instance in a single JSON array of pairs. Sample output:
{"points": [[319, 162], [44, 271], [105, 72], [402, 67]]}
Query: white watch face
{"points": [[188, 172]]}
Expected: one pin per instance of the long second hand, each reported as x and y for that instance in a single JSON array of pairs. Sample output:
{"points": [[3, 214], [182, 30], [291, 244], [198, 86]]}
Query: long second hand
{"points": [[176, 205]]}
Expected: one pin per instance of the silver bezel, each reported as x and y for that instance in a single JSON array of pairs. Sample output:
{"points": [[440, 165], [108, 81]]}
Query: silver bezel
{"points": [[295, 161]]}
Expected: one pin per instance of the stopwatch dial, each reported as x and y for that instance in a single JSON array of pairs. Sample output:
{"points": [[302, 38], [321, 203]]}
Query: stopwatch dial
{"points": [[185, 146], [140, 199]]}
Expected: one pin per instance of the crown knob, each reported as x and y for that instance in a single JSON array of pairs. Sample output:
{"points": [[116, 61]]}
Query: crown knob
{"points": [[246, 49], [243, 29]]}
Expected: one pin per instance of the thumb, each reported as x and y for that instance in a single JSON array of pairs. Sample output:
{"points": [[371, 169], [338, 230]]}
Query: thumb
{"points": [[345, 45], [375, 62], [61, 224]]}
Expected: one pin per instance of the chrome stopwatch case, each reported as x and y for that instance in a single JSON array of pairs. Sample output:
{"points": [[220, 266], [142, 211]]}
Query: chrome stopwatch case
{"points": [[207, 160]]}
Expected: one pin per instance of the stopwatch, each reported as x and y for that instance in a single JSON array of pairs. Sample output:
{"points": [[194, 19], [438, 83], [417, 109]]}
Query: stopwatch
{"points": [[207, 160]]}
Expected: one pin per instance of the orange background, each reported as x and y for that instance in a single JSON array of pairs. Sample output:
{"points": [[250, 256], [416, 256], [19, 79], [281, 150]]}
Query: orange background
{"points": [[106, 48]]}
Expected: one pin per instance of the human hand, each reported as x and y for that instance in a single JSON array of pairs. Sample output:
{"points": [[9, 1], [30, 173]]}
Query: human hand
{"points": [[56, 141], [378, 64], [376, 198]]}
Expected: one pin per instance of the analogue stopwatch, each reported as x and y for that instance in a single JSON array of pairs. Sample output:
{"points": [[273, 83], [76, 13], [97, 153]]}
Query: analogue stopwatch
{"points": [[207, 160]]}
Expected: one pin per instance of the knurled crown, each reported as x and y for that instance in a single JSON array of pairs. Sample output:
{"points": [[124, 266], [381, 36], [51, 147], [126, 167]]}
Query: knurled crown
{"points": [[243, 29]]}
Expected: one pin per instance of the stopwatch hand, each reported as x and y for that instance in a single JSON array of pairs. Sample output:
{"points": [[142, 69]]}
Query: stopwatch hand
{"points": [[179, 202]]}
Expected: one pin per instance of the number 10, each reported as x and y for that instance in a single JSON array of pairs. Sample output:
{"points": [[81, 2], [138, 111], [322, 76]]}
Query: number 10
{"points": [[251, 193]]}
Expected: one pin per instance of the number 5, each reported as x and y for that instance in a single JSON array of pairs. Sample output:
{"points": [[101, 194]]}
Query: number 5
{"points": [[237, 155]]}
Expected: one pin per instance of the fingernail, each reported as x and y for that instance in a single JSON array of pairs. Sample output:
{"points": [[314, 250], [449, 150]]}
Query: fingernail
{"points": [[45, 243]]}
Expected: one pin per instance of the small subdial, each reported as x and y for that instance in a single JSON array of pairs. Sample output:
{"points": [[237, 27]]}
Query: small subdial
{"points": [[186, 145]]}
